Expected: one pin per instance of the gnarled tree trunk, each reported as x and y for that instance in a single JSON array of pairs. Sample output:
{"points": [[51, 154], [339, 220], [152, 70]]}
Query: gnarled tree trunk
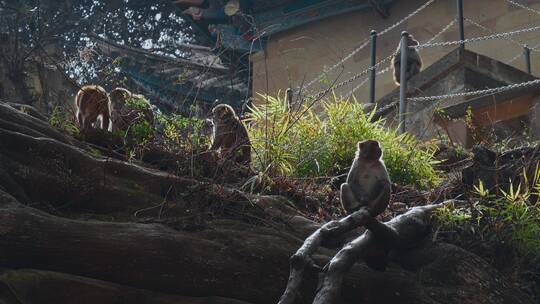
{"points": [[69, 217]]}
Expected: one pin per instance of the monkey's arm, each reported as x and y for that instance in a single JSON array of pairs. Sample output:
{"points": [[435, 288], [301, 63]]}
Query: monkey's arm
{"points": [[217, 142], [380, 197], [348, 199]]}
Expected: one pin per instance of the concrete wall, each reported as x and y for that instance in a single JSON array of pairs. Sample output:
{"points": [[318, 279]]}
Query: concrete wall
{"points": [[299, 55]]}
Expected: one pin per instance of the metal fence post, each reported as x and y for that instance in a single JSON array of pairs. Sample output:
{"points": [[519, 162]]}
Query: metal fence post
{"points": [[373, 72], [403, 81], [461, 25], [527, 55]]}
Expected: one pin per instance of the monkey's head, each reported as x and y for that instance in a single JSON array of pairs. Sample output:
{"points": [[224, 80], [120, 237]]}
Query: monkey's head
{"points": [[223, 112], [411, 41], [118, 97], [369, 150]]}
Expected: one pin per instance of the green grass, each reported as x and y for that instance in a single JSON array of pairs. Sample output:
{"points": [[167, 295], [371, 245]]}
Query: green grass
{"points": [[310, 143]]}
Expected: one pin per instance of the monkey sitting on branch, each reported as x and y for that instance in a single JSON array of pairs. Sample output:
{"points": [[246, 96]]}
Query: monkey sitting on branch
{"points": [[128, 108], [368, 183], [230, 135], [414, 62], [92, 103]]}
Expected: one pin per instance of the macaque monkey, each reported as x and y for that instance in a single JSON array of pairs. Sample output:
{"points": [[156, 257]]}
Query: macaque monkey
{"points": [[92, 102], [414, 62], [368, 183], [230, 135], [122, 115]]}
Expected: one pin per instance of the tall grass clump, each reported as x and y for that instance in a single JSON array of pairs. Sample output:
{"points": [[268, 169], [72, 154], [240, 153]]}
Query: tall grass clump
{"points": [[304, 142]]}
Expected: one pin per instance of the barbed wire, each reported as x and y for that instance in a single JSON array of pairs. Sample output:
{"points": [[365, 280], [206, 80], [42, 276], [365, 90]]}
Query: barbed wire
{"points": [[446, 28], [523, 7], [520, 54], [356, 88], [326, 71], [502, 35], [534, 48], [381, 62], [388, 68], [492, 32], [478, 92], [366, 42]]}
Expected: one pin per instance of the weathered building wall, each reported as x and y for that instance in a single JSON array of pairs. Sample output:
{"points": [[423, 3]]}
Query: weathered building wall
{"points": [[300, 54]]}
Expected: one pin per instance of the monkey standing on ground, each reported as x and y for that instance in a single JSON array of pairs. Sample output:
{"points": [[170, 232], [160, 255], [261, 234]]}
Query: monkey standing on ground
{"points": [[122, 115], [230, 135], [368, 183], [92, 102], [414, 62]]}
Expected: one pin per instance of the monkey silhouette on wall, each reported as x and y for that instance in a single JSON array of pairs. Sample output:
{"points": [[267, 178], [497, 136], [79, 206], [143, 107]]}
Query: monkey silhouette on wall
{"points": [[92, 103], [230, 135], [122, 115], [368, 183], [414, 62]]}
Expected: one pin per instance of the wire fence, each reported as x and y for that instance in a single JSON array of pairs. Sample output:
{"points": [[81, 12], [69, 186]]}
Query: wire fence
{"points": [[430, 44], [366, 42], [477, 92], [389, 67], [504, 35]]}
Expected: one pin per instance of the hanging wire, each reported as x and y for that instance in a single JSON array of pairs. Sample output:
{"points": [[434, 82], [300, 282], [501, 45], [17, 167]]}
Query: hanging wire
{"points": [[523, 7], [492, 32], [502, 35], [478, 92]]}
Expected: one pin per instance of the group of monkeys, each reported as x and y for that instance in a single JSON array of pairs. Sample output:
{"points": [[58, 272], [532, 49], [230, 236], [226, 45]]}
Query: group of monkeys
{"points": [[95, 108], [367, 185]]}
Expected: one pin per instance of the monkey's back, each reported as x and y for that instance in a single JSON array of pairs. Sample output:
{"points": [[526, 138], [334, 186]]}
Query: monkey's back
{"points": [[367, 178], [92, 97], [91, 102], [234, 139]]}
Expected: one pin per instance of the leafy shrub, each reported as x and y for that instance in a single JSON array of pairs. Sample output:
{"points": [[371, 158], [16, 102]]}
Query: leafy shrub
{"points": [[307, 143], [138, 102], [63, 121], [183, 133], [511, 216]]}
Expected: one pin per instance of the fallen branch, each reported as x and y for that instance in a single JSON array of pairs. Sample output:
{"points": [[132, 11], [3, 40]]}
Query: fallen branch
{"points": [[402, 232], [302, 258], [373, 246]]}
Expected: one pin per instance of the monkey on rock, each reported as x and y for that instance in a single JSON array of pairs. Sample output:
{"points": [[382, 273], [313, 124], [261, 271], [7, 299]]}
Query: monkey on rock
{"points": [[92, 106], [368, 184]]}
